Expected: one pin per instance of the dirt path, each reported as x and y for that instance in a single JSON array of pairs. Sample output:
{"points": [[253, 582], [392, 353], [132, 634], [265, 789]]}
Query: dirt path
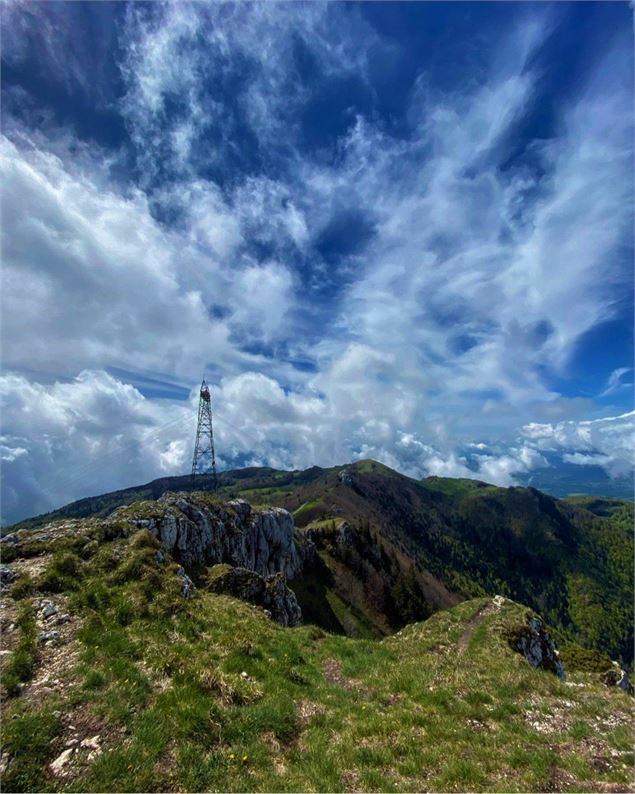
{"points": [[487, 609]]}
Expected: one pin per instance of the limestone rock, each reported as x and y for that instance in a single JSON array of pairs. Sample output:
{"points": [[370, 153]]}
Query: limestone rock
{"points": [[271, 592], [47, 609], [187, 587], [58, 767], [49, 636], [615, 676], [344, 477], [7, 575], [196, 528], [537, 646]]}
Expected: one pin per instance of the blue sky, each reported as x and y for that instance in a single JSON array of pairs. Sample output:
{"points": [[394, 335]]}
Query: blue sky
{"points": [[400, 231]]}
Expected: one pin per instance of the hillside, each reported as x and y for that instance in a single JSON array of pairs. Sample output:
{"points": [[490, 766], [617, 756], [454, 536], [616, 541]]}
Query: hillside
{"points": [[395, 549], [118, 676]]}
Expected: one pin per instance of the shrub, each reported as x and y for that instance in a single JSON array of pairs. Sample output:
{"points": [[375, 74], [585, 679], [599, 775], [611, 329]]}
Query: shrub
{"points": [[584, 660], [144, 539], [136, 565], [23, 586], [94, 680], [63, 573]]}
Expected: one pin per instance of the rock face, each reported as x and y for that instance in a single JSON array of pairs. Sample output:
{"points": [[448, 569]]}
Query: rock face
{"points": [[269, 592], [197, 529], [536, 645]]}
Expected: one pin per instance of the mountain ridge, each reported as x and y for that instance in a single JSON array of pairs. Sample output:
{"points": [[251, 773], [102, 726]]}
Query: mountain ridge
{"points": [[101, 503], [392, 549], [121, 676]]}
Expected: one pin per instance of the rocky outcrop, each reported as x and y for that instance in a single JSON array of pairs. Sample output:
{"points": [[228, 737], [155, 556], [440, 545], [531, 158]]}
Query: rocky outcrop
{"points": [[7, 575], [271, 592], [537, 646], [198, 529], [615, 676]]}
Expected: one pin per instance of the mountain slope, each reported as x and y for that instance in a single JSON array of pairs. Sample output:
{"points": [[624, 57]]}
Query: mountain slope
{"points": [[116, 682], [390, 544]]}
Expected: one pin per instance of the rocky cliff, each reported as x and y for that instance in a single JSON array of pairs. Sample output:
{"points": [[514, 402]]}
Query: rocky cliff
{"points": [[197, 529], [270, 592]]}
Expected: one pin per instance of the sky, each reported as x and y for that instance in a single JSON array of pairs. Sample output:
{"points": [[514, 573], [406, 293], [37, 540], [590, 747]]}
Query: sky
{"points": [[392, 230]]}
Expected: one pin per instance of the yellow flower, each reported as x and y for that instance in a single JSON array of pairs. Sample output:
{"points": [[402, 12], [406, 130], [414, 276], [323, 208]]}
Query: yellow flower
{"points": [[232, 756], [244, 759]]}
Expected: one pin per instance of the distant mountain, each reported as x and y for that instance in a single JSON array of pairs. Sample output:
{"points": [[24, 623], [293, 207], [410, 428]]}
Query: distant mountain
{"points": [[393, 549]]}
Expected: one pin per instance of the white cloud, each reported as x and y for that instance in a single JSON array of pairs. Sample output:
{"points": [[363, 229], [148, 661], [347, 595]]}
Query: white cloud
{"points": [[615, 381], [503, 469], [79, 437], [471, 280], [608, 442]]}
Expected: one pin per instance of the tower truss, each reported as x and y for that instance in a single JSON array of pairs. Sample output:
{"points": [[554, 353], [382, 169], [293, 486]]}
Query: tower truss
{"points": [[204, 461]]}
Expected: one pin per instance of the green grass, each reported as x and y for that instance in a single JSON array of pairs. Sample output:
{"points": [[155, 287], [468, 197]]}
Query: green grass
{"points": [[374, 467], [306, 506], [456, 486], [23, 660], [209, 694]]}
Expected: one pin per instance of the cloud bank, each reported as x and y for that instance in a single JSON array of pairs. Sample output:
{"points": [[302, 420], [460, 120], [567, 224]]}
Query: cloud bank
{"points": [[355, 279]]}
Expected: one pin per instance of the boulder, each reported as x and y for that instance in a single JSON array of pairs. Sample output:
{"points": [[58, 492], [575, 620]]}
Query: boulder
{"points": [[534, 642], [7, 575], [270, 592], [187, 586]]}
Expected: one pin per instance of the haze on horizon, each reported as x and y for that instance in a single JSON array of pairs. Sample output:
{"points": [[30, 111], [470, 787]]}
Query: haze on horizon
{"points": [[398, 231]]}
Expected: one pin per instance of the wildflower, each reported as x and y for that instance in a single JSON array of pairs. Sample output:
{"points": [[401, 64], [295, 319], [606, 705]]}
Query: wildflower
{"points": [[244, 759], [231, 756]]}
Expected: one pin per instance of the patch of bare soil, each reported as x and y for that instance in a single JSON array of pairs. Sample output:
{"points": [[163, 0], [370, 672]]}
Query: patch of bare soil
{"points": [[164, 767], [307, 710], [392, 699], [83, 737], [31, 566], [351, 780], [601, 786], [332, 669], [9, 631], [58, 649]]}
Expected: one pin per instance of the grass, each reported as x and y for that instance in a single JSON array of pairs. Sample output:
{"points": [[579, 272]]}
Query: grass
{"points": [[209, 694], [23, 661], [306, 506], [456, 486]]}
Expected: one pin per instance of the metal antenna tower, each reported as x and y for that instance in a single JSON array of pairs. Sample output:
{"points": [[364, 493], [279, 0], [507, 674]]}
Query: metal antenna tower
{"points": [[204, 458]]}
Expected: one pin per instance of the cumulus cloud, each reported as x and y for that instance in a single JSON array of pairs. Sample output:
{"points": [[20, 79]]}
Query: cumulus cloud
{"points": [[608, 442], [83, 436], [94, 433], [363, 293]]}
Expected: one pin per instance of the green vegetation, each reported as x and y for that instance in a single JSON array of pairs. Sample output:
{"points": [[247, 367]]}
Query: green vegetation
{"points": [[208, 694], [571, 560], [62, 573], [456, 486], [23, 660]]}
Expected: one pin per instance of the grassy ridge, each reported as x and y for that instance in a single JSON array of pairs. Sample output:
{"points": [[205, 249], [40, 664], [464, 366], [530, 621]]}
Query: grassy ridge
{"points": [[208, 694], [572, 560]]}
